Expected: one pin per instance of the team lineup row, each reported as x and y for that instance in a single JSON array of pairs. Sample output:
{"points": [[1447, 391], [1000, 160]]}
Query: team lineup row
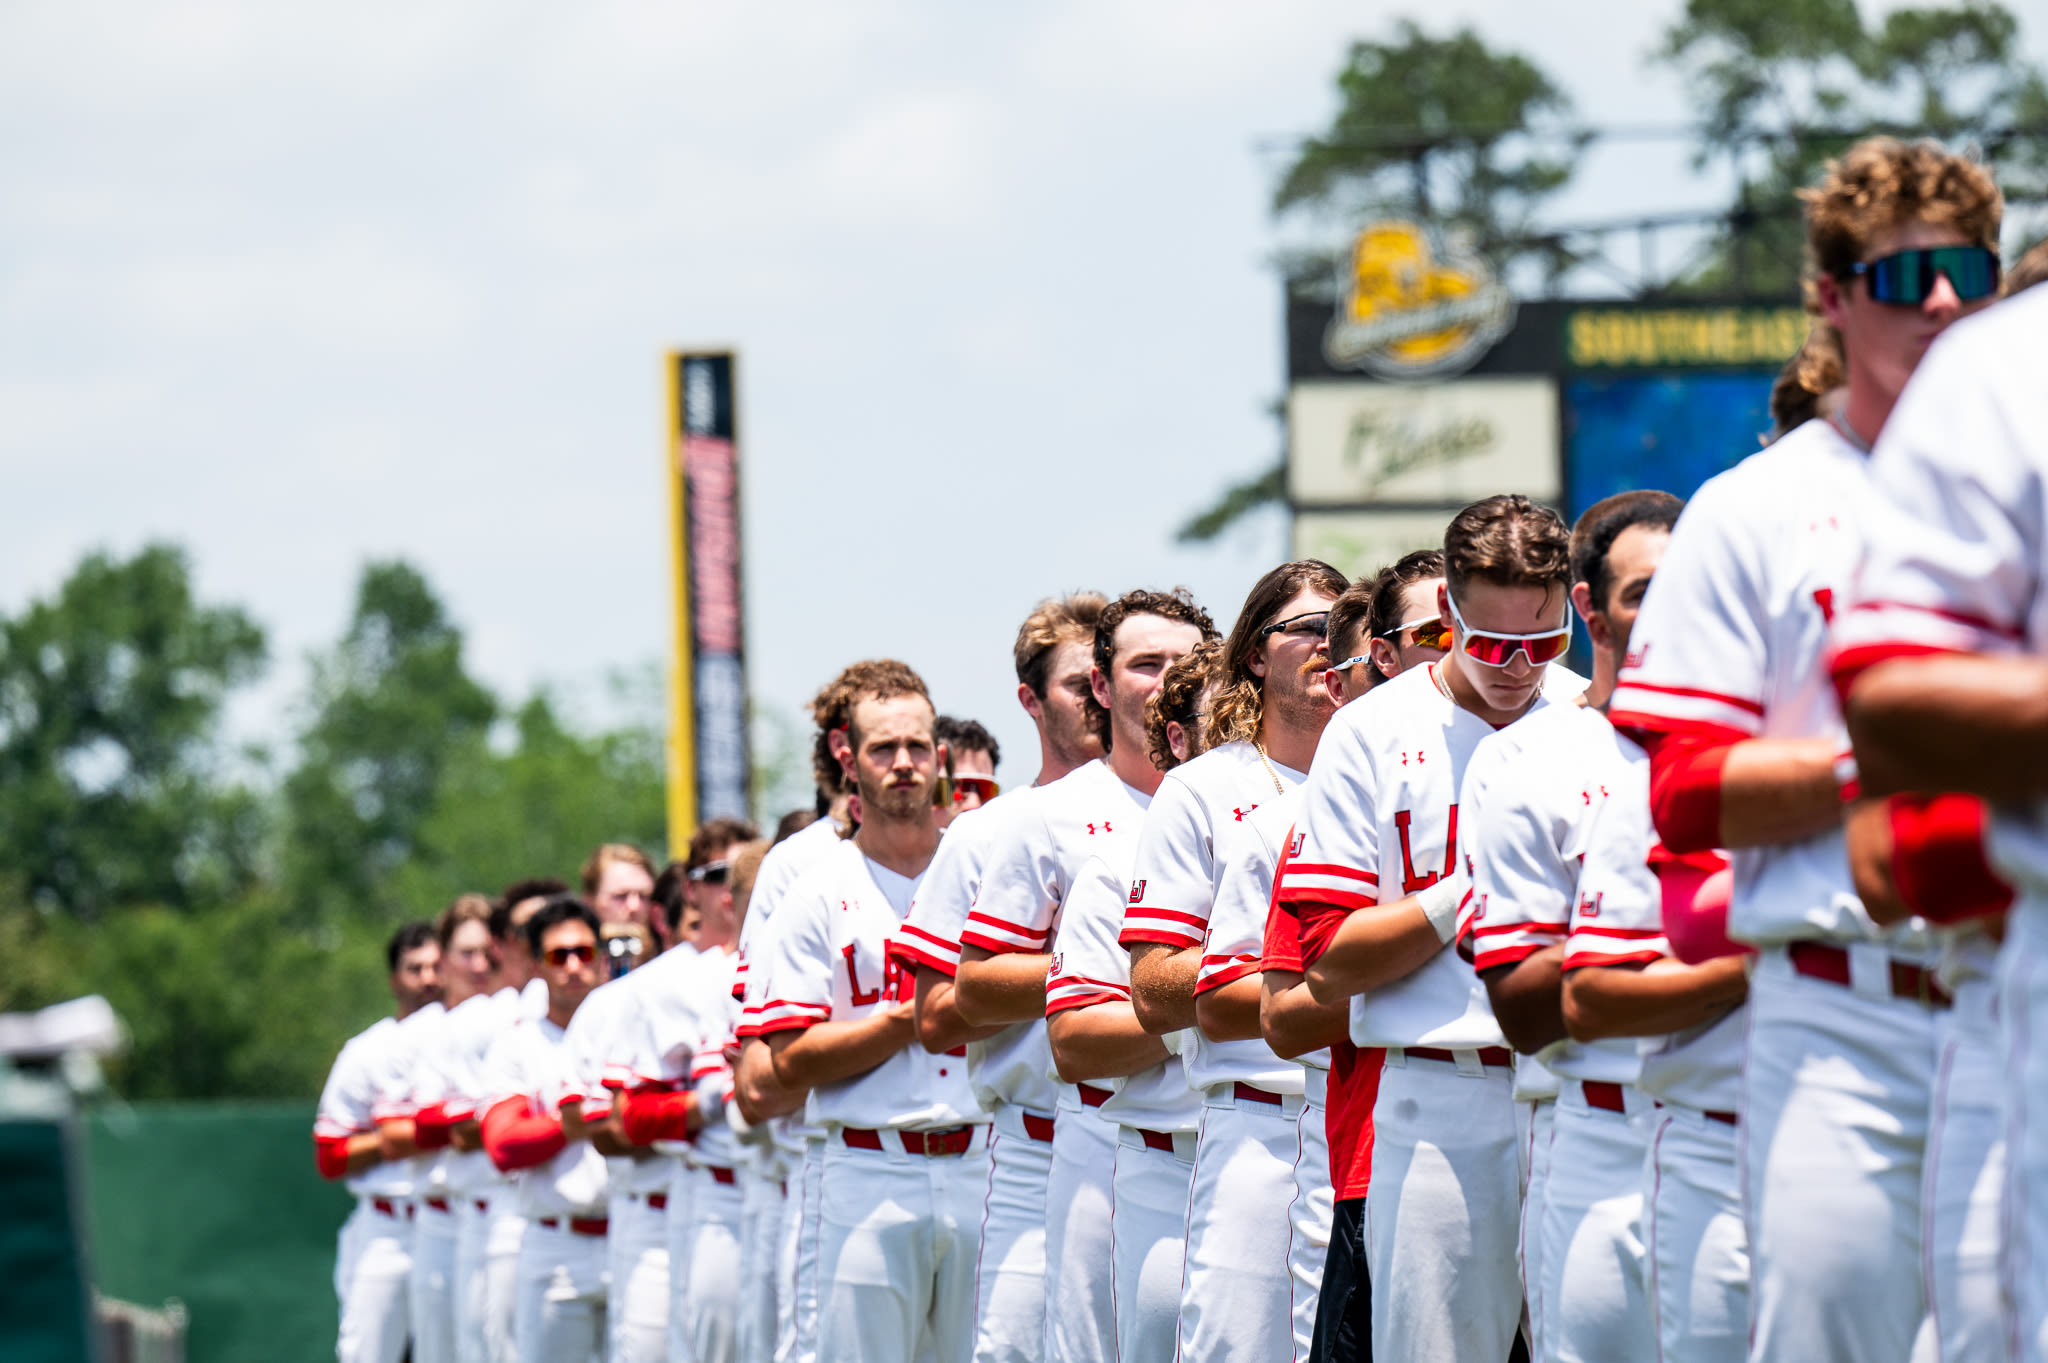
{"points": [[1362, 983]]}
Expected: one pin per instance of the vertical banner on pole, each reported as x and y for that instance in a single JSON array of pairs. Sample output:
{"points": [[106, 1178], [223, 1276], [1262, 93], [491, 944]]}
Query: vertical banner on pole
{"points": [[709, 770]]}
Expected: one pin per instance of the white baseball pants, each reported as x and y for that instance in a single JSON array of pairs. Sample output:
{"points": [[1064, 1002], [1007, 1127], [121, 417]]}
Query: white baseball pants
{"points": [[1837, 1088], [1443, 1217], [1080, 1303], [761, 1208], [561, 1312], [433, 1287], [2022, 1018], [1009, 1283], [1148, 1223], [506, 1233], [1311, 1221], [1963, 1199], [796, 1266], [637, 1291], [373, 1279], [707, 1268], [472, 1238], [897, 1238], [1537, 1121], [1693, 1239], [1237, 1287], [1595, 1286]]}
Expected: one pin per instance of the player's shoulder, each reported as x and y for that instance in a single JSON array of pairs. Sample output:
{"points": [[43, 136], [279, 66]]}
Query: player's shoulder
{"points": [[1376, 719], [1216, 772], [1272, 819], [1774, 487]]}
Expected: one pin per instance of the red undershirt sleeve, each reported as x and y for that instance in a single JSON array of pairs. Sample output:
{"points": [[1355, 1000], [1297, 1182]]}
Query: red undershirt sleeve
{"points": [[1685, 784], [516, 1139], [656, 1115], [330, 1156], [1938, 859]]}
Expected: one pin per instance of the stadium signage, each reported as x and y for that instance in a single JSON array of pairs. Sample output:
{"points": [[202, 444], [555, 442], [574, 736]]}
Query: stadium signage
{"points": [[1702, 337], [1354, 443], [1415, 307]]}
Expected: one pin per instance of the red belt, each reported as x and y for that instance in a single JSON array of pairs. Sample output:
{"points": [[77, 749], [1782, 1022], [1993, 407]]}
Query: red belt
{"points": [[581, 1225], [384, 1206], [439, 1204], [483, 1205], [1156, 1140], [1603, 1095], [1488, 1055], [1092, 1096], [1724, 1118], [1038, 1128], [658, 1201], [1252, 1093], [954, 1140], [1819, 961], [720, 1174]]}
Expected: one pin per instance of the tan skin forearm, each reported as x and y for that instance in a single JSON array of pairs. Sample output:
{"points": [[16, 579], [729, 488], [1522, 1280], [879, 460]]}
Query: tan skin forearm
{"points": [[1230, 1013], [1779, 790], [467, 1135], [398, 1139], [1867, 837], [365, 1152], [1528, 999], [760, 1094], [1960, 722], [1374, 947], [1101, 1041], [599, 1133], [995, 990], [830, 1051], [1291, 1020], [1606, 1001], [940, 1027], [1163, 986]]}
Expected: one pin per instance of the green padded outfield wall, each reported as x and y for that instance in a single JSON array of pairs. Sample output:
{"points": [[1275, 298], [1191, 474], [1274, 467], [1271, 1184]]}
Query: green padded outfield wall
{"points": [[218, 1205]]}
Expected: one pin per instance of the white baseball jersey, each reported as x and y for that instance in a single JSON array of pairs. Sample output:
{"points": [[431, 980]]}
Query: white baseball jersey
{"points": [[1196, 813], [602, 1031], [1732, 643], [1957, 552], [1236, 944], [348, 1105], [829, 961], [1014, 1065], [1379, 822], [781, 867], [1700, 1067], [452, 1075], [530, 1061], [1090, 967], [1088, 811], [1529, 801], [680, 1041]]}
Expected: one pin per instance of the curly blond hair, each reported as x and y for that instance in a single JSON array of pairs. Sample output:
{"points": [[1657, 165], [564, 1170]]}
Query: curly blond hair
{"points": [[1881, 183]]}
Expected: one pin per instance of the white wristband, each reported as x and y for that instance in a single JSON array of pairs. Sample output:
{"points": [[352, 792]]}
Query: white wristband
{"points": [[1439, 904]]}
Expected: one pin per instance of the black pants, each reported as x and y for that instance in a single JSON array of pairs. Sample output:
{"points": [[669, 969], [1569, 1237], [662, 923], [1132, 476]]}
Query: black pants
{"points": [[1344, 1310]]}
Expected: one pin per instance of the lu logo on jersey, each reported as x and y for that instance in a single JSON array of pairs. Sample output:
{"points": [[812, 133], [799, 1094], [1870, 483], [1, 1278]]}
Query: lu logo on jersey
{"points": [[1137, 890]]}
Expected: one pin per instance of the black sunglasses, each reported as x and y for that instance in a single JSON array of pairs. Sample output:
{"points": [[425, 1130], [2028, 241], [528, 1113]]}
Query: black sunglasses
{"points": [[1905, 278], [1315, 622]]}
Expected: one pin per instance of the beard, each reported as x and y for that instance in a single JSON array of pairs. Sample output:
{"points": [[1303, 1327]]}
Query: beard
{"points": [[894, 804], [1298, 702], [1072, 736]]}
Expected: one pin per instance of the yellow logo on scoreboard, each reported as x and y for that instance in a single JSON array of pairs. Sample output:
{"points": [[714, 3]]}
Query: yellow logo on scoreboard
{"points": [[1414, 308]]}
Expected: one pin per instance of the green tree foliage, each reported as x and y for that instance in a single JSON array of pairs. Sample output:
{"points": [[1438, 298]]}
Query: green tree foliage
{"points": [[111, 789], [391, 705], [1448, 131]]}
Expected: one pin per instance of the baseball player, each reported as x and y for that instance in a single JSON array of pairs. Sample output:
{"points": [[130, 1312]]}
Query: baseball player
{"points": [[1004, 962], [1010, 1066], [373, 1260], [1379, 821], [1727, 692], [1270, 709], [1941, 646], [467, 974], [905, 1162], [561, 1292]]}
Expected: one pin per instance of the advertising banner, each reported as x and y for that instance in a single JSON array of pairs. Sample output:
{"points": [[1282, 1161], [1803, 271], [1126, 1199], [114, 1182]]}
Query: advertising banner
{"points": [[1352, 443], [1358, 543]]}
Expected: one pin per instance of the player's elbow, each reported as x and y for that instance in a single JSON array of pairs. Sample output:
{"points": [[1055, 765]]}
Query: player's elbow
{"points": [[1589, 1012]]}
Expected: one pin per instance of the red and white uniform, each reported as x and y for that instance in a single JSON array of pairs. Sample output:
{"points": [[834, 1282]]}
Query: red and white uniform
{"points": [[905, 1165], [1730, 645], [1034, 864], [1259, 1296], [373, 1260], [413, 1076], [561, 1294], [1531, 796], [1694, 1247], [1154, 1115], [1012, 1076], [1379, 823], [1955, 562]]}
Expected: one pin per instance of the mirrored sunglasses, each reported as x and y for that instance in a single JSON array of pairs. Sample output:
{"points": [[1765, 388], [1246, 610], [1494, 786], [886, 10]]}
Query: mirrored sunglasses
{"points": [[1498, 650], [1905, 278]]}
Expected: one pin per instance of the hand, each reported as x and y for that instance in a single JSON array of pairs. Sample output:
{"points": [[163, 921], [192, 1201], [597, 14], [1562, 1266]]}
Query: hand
{"points": [[1867, 834], [467, 1134]]}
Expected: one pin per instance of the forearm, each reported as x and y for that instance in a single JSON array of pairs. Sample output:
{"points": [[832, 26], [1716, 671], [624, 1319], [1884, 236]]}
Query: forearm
{"points": [[830, 1051], [997, 990], [1374, 947], [397, 1138], [1291, 1020], [1957, 722], [760, 1094], [1163, 986], [467, 1135], [1101, 1041], [1528, 999], [940, 1024], [365, 1152], [1779, 790], [574, 1128], [1649, 1000], [1231, 1012]]}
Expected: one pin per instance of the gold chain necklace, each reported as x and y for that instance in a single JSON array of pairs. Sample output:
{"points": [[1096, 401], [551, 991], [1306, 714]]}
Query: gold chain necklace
{"points": [[1267, 762]]}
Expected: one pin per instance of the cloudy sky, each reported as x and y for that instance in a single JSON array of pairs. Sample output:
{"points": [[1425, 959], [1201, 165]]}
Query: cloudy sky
{"points": [[296, 286]]}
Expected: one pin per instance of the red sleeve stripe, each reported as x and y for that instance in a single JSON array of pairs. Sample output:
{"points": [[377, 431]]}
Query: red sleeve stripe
{"points": [[996, 946], [1230, 970], [790, 1023], [929, 938], [1193, 920], [1694, 693], [1333, 869], [1079, 996], [1578, 960], [1507, 955], [1286, 893], [1967, 619], [1494, 930], [1165, 937], [1620, 934], [1005, 925], [917, 956]]}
